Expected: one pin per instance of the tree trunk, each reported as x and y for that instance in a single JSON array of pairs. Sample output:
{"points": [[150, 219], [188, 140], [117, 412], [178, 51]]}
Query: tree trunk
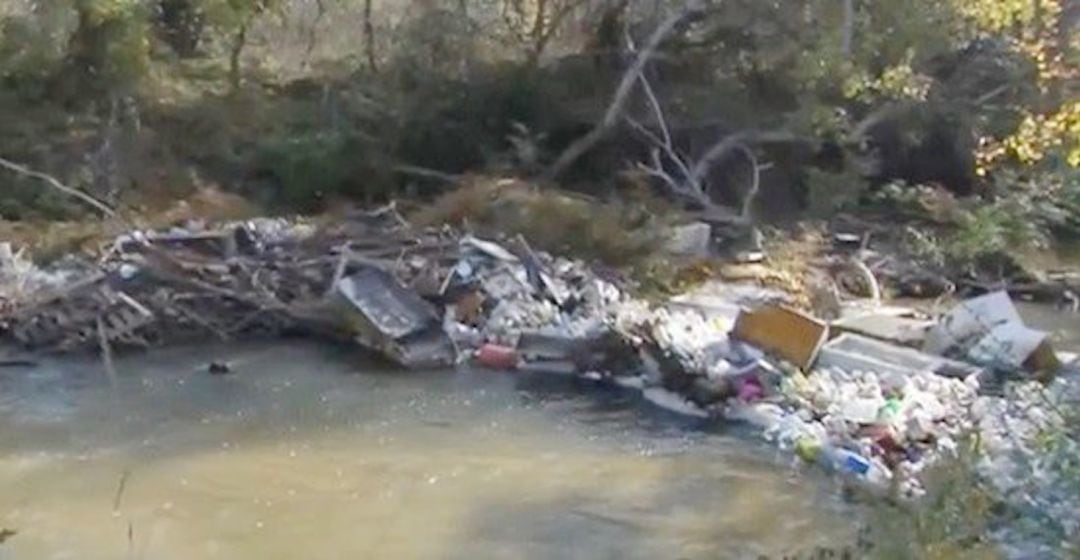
{"points": [[539, 21], [369, 37], [87, 50], [239, 42], [180, 25], [848, 37]]}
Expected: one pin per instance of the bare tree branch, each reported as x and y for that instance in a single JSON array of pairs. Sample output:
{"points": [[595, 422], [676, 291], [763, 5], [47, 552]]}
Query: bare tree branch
{"points": [[425, 173], [755, 182], [733, 141], [541, 41], [53, 182], [622, 94], [661, 122]]}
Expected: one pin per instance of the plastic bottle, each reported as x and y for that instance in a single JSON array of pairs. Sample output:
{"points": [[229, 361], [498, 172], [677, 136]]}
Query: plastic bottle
{"points": [[845, 461]]}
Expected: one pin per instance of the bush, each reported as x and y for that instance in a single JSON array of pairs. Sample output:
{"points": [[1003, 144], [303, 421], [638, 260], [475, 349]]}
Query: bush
{"points": [[305, 170], [828, 193]]}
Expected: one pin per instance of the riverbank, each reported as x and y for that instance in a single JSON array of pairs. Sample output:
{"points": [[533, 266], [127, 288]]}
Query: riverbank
{"points": [[433, 296]]}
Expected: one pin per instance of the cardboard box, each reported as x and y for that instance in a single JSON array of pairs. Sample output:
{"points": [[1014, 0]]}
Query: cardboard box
{"points": [[785, 332]]}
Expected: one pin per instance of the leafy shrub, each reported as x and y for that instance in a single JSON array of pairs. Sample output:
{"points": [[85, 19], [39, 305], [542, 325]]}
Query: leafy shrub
{"points": [[304, 170], [829, 192]]}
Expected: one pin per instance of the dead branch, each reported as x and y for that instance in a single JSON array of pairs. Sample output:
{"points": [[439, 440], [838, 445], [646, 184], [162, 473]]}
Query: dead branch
{"points": [[755, 182], [542, 40], [106, 351], [622, 94], [425, 173], [339, 270], [859, 266], [686, 187], [56, 184], [692, 184], [732, 142], [661, 122]]}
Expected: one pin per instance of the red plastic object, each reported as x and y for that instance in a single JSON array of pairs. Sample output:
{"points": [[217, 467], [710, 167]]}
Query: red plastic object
{"points": [[495, 356]]}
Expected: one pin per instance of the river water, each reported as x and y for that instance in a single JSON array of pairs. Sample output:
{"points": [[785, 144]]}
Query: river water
{"points": [[308, 451], [315, 452]]}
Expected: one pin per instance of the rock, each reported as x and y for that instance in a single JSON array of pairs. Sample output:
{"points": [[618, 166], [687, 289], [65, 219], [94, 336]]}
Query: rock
{"points": [[219, 368], [690, 240]]}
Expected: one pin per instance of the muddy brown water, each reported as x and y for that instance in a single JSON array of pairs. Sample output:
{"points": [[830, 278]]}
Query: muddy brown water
{"points": [[312, 452], [315, 452]]}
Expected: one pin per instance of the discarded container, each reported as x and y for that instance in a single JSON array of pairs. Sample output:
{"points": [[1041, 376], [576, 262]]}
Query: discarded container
{"points": [[854, 352], [383, 305], [845, 460], [790, 334], [988, 330], [861, 410], [808, 449], [904, 331], [495, 356], [391, 319]]}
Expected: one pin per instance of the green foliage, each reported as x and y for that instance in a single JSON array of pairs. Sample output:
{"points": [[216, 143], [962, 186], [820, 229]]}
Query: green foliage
{"points": [[996, 229], [27, 54], [110, 45], [828, 193], [456, 125], [953, 521], [305, 170], [25, 200]]}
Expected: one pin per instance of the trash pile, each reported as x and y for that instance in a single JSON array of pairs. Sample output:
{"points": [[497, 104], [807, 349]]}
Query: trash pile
{"points": [[872, 409], [876, 395]]}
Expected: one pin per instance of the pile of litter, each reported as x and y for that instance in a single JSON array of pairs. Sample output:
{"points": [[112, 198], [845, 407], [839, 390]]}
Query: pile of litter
{"points": [[876, 396]]}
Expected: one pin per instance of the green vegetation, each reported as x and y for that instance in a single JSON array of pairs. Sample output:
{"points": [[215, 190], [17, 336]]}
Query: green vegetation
{"points": [[282, 99]]}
